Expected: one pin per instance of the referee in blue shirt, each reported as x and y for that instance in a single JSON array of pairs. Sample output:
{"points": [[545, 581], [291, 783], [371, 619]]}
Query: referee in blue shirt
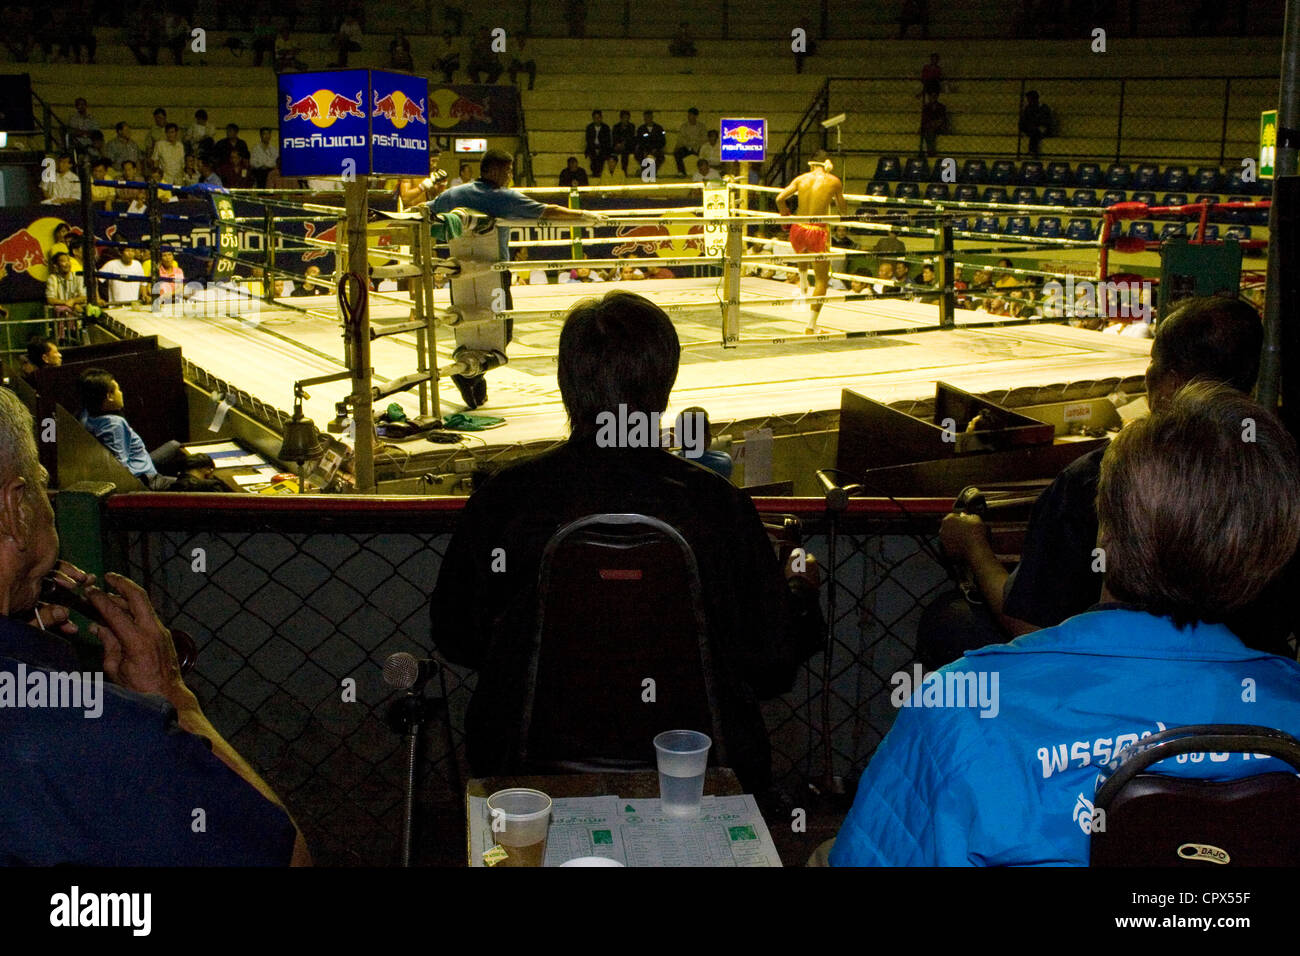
{"points": [[491, 195]]}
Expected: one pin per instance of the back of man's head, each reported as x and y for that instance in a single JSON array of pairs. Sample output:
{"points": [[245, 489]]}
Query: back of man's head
{"points": [[1199, 505], [93, 388], [18, 455], [1208, 337], [494, 159], [620, 349]]}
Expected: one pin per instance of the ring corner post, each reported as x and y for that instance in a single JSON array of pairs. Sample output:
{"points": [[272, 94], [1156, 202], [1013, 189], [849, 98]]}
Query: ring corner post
{"points": [[731, 278], [359, 331]]}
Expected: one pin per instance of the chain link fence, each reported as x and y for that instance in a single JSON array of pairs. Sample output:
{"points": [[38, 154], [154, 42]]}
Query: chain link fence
{"points": [[286, 611]]}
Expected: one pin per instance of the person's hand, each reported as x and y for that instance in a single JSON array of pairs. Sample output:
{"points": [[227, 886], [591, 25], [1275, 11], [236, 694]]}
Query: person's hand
{"points": [[958, 533], [595, 219], [138, 650]]}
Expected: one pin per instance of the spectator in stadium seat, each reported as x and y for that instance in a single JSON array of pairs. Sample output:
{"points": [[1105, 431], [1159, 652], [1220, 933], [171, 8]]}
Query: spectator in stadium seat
{"points": [[66, 186], [233, 144], [122, 147], [446, 57], [705, 173], [126, 290], [520, 62], [65, 290], [949, 788], [690, 137], [287, 51], [932, 77], [207, 175], [623, 138], [573, 174], [710, 150], [176, 33], [101, 406], [399, 53], [263, 41], [620, 349], [107, 791], [650, 140], [169, 155], [598, 142], [235, 173], [80, 125], [348, 39], [1035, 121], [934, 120], [483, 60], [1058, 576], [465, 175], [130, 174], [41, 353], [101, 196], [199, 137]]}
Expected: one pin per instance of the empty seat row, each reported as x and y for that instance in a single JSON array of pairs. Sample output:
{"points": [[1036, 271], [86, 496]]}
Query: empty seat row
{"points": [[1005, 172], [1087, 230]]}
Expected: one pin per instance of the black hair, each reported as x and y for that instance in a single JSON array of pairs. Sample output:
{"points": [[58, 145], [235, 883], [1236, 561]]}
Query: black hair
{"points": [[171, 126], [160, 110], [493, 159], [201, 114], [121, 125], [37, 346], [620, 349], [1212, 337], [93, 388]]}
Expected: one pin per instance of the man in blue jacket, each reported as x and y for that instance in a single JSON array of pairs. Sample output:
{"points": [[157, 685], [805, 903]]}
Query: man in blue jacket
{"points": [[994, 759]]}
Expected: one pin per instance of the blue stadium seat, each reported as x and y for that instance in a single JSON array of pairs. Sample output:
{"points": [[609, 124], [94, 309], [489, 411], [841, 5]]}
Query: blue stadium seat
{"points": [[1211, 232], [1210, 198], [1232, 182], [1059, 174], [1174, 199], [1142, 230], [1018, 226], [1237, 232], [1258, 217], [1146, 176], [1049, 227], [907, 191], [917, 170], [961, 224], [1118, 176], [1003, 171], [1146, 197], [1234, 215], [1084, 197], [1112, 196], [1025, 196], [974, 171], [1031, 173], [1171, 230], [1176, 179], [1208, 179], [1055, 196], [1089, 174], [878, 189], [888, 168], [994, 194], [937, 191], [968, 192], [988, 224], [1080, 229]]}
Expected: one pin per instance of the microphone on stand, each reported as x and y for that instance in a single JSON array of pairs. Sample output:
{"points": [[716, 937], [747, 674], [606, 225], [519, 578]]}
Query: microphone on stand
{"points": [[408, 672]]}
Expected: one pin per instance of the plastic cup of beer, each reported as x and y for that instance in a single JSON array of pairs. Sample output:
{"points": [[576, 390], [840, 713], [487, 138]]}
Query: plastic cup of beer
{"points": [[683, 756], [519, 819]]}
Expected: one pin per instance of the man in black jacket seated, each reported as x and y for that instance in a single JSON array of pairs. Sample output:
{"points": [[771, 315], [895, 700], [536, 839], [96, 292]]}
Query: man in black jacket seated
{"points": [[619, 350]]}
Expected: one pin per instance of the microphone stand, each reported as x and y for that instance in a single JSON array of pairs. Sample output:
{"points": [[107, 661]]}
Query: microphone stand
{"points": [[405, 716]]}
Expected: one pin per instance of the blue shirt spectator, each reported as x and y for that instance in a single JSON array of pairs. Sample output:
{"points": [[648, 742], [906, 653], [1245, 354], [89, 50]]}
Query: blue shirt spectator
{"points": [[121, 439], [491, 200]]}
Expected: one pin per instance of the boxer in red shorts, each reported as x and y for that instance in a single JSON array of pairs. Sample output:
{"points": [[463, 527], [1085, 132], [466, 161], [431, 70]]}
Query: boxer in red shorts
{"points": [[816, 190]]}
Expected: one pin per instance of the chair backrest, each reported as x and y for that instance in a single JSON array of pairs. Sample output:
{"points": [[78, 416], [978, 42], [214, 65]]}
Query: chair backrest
{"points": [[917, 170], [974, 171], [1237, 232], [1060, 174], [1118, 176], [1017, 225], [1174, 199], [878, 189], [1031, 173], [937, 191], [907, 190], [1146, 177], [994, 194], [1079, 229], [961, 224], [1151, 819], [1175, 177], [988, 224], [599, 576], [1003, 171], [887, 167], [1049, 227], [1143, 196], [1025, 196], [1084, 197], [1089, 174], [1211, 233], [967, 192], [1171, 229], [1208, 178], [1232, 181], [1142, 230], [1055, 196], [1112, 196]]}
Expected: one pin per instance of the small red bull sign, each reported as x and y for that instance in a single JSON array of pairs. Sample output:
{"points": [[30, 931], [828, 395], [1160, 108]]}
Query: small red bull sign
{"points": [[354, 122], [743, 140]]}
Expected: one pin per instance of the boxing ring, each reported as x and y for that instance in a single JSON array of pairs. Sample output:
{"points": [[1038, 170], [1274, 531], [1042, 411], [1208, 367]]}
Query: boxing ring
{"points": [[745, 357]]}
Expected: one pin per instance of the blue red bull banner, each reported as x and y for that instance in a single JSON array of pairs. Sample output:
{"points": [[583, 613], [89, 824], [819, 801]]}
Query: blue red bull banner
{"points": [[474, 110], [743, 140], [354, 122]]}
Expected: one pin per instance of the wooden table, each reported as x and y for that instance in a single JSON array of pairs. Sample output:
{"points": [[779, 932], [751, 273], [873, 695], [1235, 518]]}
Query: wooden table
{"points": [[718, 782]]}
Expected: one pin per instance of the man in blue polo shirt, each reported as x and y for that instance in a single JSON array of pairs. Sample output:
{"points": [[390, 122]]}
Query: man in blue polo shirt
{"points": [[994, 759], [101, 407], [98, 773], [490, 194]]}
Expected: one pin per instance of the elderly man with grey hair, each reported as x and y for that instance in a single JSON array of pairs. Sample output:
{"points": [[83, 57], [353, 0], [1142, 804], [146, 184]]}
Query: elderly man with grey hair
{"points": [[96, 773]]}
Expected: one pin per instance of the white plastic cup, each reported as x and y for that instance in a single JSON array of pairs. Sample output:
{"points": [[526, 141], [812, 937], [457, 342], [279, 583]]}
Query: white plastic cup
{"points": [[592, 861], [519, 820], [682, 757]]}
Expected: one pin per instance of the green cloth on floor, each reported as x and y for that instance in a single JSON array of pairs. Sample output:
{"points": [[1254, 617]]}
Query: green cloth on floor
{"points": [[464, 422]]}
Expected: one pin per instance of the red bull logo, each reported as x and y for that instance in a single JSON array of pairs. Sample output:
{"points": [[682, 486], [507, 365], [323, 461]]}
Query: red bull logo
{"points": [[19, 252], [466, 109], [329, 235], [323, 107], [637, 248], [742, 134], [399, 109], [680, 238]]}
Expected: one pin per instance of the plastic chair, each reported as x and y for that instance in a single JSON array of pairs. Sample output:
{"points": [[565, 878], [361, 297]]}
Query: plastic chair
{"points": [[1055, 196], [1089, 175], [1080, 229], [937, 191], [1084, 197], [1018, 226], [1002, 173], [1025, 196], [988, 224], [917, 170], [1211, 233], [1209, 179], [1154, 819], [1118, 176], [1237, 232], [1173, 230], [974, 171], [1031, 173], [598, 576], [967, 192], [1049, 227], [907, 190], [1142, 230], [1060, 174], [1146, 176], [878, 189], [1112, 196], [1175, 179], [1147, 197], [888, 168], [994, 194]]}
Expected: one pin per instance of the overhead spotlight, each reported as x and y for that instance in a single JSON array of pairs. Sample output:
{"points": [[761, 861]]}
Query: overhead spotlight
{"points": [[834, 121]]}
